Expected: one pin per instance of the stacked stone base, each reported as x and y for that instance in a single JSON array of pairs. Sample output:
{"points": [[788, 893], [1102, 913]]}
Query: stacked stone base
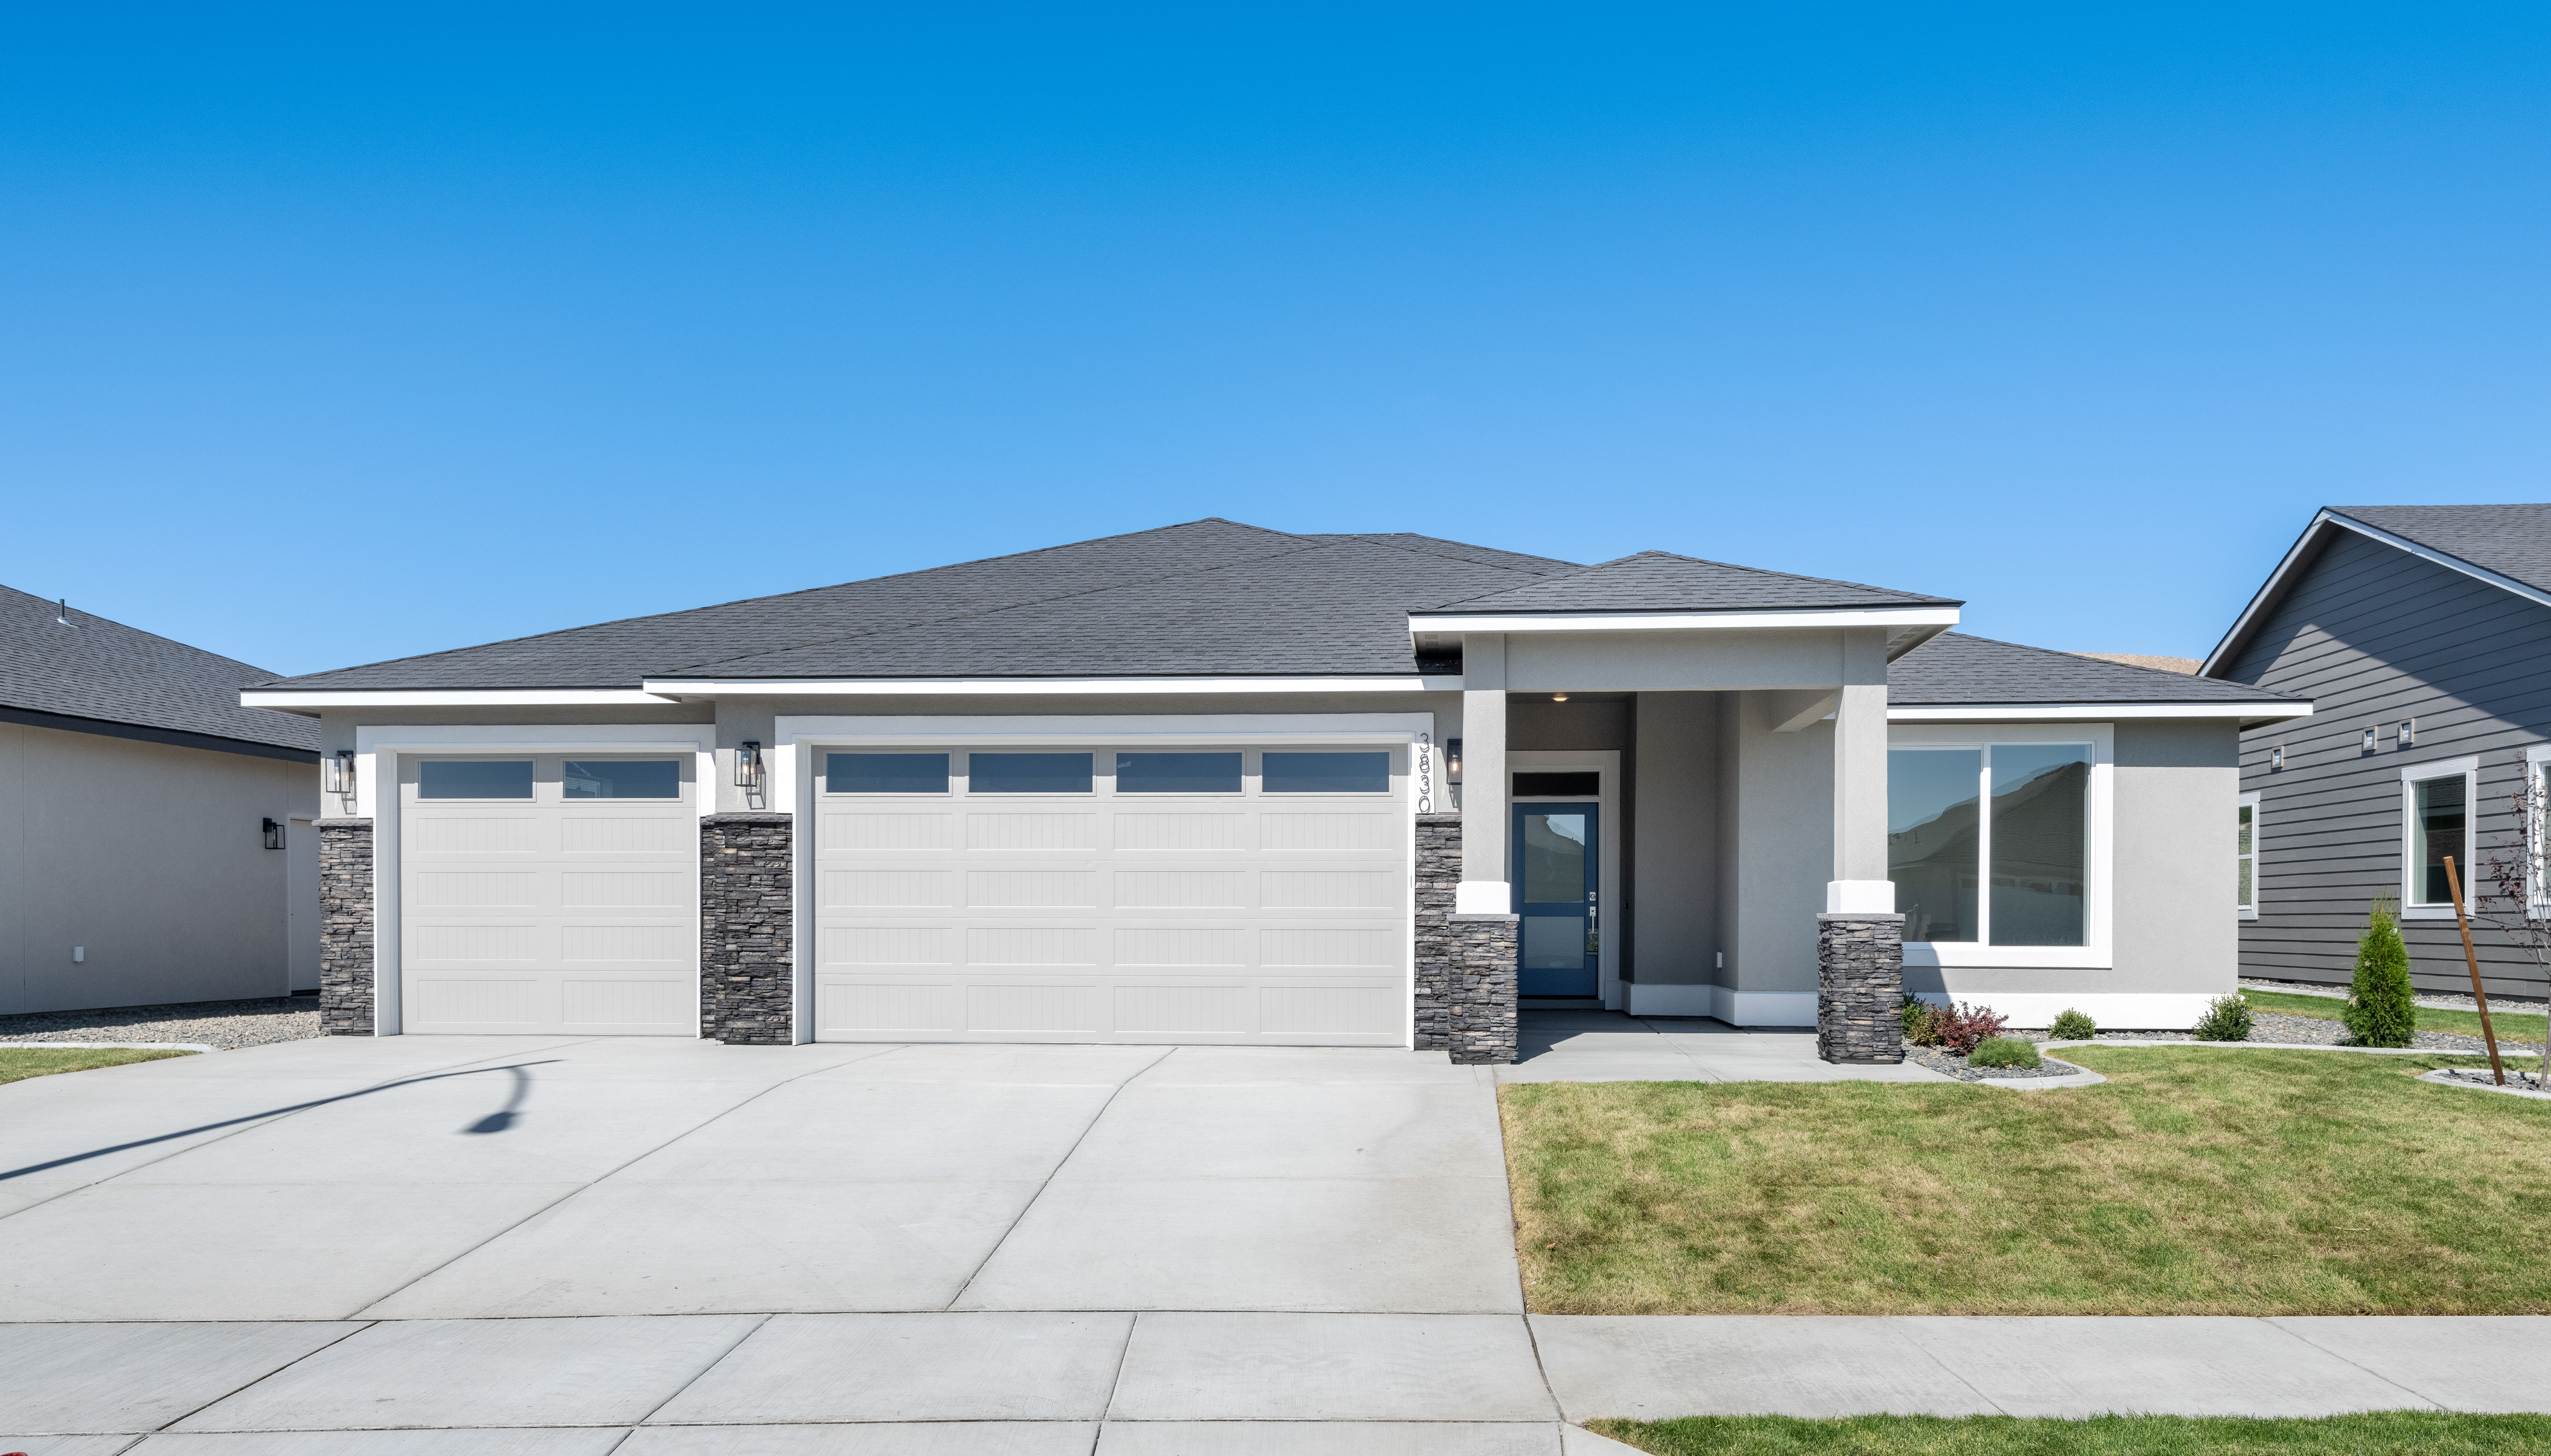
{"points": [[346, 926], [1860, 988], [748, 928], [1465, 964]]}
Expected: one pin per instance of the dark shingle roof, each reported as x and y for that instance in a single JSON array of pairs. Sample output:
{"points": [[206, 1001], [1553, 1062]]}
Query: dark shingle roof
{"points": [[1954, 669], [101, 669], [2514, 540], [1661, 581]]}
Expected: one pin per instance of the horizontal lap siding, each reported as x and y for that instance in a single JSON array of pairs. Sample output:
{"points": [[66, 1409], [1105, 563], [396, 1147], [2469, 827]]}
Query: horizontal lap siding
{"points": [[2374, 635]]}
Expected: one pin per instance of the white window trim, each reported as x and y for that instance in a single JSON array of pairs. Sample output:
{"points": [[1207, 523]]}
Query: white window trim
{"points": [[2099, 954], [2249, 911], [2411, 776], [2537, 886], [1605, 762], [377, 753], [794, 742]]}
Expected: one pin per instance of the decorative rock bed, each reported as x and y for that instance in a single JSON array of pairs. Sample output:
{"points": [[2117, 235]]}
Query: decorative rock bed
{"points": [[1950, 1064], [225, 1025], [2274, 1028]]}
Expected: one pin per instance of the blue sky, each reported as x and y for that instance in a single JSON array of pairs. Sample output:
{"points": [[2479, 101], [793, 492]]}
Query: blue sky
{"points": [[336, 336]]}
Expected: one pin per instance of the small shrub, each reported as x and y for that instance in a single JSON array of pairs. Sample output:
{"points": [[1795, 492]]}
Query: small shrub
{"points": [[1917, 1023], [2003, 1051], [1960, 1026], [2382, 1009], [2075, 1026], [2226, 1018]]}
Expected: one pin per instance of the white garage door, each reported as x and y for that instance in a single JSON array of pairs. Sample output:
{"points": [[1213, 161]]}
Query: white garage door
{"points": [[1140, 895], [545, 893]]}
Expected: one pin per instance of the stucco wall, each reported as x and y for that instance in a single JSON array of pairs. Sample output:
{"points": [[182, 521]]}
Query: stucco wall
{"points": [[1673, 875], [152, 859], [1775, 847]]}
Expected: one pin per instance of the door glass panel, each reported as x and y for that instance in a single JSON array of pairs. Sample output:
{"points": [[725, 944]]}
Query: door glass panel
{"points": [[1553, 859], [1326, 773], [885, 772], [2041, 819], [1554, 943], [1931, 838], [473, 778], [1028, 773], [1177, 773], [2439, 832], [615, 778]]}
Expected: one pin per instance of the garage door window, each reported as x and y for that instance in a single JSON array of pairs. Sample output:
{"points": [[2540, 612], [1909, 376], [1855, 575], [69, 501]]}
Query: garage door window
{"points": [[1367, 772], [473, 778], [634, 778], [885, 772], [1177, 773], [1028, 773]]}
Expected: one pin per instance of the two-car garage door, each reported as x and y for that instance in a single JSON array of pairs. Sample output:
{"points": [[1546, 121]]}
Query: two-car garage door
{"points": [[1073, 894]]}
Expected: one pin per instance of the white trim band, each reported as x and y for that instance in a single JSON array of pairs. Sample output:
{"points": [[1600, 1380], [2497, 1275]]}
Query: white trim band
{"points": [[1685, 621], [2100, 712], [458, 697], [1014, 686]]}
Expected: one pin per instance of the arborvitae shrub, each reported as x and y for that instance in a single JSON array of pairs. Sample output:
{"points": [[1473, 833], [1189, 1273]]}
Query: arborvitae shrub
{"points": [[2382, 1009], [2226, 1018], [2075, 1026]]}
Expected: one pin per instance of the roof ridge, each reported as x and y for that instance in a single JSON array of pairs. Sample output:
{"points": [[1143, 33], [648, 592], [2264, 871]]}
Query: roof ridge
{"points": [[1384, 538]]}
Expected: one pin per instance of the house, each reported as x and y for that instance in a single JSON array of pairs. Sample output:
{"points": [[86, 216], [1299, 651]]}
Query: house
{"points": [[155, 840], [2421, 632], [1217, 783]]}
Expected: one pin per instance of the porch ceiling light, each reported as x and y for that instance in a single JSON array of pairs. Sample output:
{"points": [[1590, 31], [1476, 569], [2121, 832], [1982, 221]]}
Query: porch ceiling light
{"points": [[1559, 697], [747, 764], [337, 768]]}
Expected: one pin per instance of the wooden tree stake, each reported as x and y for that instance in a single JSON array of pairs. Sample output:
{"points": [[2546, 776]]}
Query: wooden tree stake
{"points": [[2471, 957]]}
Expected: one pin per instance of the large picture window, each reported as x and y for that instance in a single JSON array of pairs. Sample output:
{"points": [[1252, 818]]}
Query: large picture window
{"points": [[2436, 801], [1989, 845]]}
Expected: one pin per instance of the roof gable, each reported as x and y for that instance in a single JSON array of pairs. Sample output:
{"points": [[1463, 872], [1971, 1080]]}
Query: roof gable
{"points": [[1662, 581]]}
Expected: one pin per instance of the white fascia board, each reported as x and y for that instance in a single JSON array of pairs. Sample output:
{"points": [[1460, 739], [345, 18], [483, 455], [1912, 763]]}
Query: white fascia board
{"points": [[1684, 621], [2101, 713], [460, 698], [1018, 687], [2329, 519]]}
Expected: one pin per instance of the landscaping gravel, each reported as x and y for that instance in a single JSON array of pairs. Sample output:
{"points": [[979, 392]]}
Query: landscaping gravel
{"points": [[224, 1025], [1953, 1064], [2275, 1028], [2479, 1076], [2442, 1000]]}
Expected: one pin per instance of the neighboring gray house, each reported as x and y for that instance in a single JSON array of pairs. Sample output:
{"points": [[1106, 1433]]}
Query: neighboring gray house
{"points": [[1215, 784], [2422, 633], [155, 840]]}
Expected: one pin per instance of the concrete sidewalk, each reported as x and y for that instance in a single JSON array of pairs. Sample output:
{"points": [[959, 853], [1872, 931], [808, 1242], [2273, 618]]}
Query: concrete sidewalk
{"points": [[1431, 1385]]}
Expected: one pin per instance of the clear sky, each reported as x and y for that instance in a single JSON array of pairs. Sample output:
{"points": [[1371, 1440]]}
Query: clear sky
{"points": [[344, 332]]}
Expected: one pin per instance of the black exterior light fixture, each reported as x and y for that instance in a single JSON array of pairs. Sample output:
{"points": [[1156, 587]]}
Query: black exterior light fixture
{"points": [[273, 834], [337, 768], [747, 764]]}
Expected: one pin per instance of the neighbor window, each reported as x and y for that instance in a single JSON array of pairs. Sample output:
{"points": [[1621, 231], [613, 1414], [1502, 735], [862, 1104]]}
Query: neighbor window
{"points": [[2439, 805], [2245, 858], [1028, 773], [1989, 845], [614, 779], [1359, 773], [885, 772], [473, 778], [1212, 772]]}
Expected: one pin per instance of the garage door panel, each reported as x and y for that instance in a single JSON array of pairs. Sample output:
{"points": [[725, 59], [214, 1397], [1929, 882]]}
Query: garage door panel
{"points": [[463, 944], [617, 836], [474, 889], [481, 834], [1217, 918], [624, 1004], [667, 946], [624, 889]]}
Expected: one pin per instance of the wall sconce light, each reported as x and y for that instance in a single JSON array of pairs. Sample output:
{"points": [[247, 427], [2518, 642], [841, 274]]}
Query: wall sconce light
{"points": [[747, 764], [2276, 757], [1451, 761], [2370, 735], [2408, 731], [274, 835], [337, 768], [1559, 697]]}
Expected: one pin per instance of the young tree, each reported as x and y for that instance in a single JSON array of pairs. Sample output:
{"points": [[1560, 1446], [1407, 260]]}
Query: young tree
{"points": [[2382, 1009], [2512, 896]]}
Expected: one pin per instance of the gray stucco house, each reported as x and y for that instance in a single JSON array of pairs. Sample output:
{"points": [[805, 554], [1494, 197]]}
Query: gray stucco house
{"points": [[2422, 633], [156, 836], [1216, 784]]}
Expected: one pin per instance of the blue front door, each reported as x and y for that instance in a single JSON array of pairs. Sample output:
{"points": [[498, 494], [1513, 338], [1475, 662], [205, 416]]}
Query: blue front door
{"points": [[1560, 937]]}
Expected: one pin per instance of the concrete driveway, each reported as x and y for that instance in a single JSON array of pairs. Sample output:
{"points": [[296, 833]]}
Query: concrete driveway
{"points": [[439, 1178]]}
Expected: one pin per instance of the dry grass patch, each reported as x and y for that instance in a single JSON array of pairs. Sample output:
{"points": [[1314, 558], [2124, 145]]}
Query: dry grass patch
{"points": [[20, 1062], [2195, 1181]]}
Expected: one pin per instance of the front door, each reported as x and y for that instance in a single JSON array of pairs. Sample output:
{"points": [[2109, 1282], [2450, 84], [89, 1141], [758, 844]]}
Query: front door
{"points": [[1561, 937]]}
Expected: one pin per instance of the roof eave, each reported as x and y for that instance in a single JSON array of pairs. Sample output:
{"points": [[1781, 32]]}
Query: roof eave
{"points": [[2247, 714], [1937, 618], [2278, 583]]}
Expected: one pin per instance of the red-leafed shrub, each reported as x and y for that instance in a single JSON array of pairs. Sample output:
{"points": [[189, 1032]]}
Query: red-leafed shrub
{"points": [[1960, 1026]]}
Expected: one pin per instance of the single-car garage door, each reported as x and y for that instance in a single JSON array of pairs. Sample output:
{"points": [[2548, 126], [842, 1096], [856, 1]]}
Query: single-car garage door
{"points": [[1140, 895], [545, 893]]}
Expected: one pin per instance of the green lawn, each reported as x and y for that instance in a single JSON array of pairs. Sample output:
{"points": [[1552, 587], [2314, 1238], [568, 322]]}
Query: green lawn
{"points": [[2195, 1181], [2510, 1028], [2379, 1433], [20, 1062]]}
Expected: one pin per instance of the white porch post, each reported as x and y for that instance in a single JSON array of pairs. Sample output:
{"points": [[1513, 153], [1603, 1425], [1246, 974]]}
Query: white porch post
{"points": [[1860, 884], [1484, 889]]}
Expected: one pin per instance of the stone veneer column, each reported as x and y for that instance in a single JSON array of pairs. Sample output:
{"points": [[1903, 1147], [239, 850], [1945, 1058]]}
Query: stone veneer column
{"points": [[345, 916], [1860, 988], [1465, 964], [748, 928]]}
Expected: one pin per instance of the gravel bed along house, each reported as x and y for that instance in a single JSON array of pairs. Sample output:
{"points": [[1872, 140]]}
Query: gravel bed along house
{"points": [[2441, 1000], [225, 1025], [2479, 1076], [1951, 1065], [2274, 1028]]}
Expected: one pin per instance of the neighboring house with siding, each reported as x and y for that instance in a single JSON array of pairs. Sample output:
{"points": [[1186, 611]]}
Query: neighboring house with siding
{"points": [[1219, 784], [2422, 634], [155, 839]]}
